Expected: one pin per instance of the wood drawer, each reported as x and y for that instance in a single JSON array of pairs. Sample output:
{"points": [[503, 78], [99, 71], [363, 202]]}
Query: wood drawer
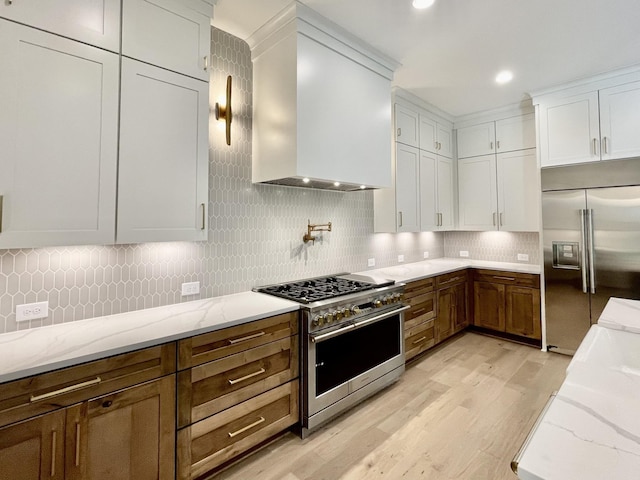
{"points": [[221, 343], [43, 393], [212, 387], [421, 312], [209, 443], [453, 278], [419, 287], [507, 278], [418, 339]]}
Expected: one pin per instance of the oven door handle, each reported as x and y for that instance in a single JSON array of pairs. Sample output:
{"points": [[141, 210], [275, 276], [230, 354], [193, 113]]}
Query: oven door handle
{"points": [[354, 326]]}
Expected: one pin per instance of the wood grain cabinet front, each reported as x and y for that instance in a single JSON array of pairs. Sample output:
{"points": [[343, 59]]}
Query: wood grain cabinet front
{"points": [[452, 301], [419, 319]]}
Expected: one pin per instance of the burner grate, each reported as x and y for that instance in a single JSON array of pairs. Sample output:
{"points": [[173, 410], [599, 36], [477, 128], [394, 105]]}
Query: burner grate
{"points": [[314, 290]]}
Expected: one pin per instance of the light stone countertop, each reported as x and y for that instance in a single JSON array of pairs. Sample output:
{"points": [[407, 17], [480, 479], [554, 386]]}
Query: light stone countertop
{"points": [[37, 350], [591, 430], [408, 272]]}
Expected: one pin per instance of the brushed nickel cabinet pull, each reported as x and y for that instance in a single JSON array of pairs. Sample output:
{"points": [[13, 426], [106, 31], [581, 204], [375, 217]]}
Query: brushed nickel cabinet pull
{"points": [[399, 132], [1, 199], [500, 219], [244, 339], [248, 427], [490, 145], [54, 438], [77, 444], [203, 218], [400, 214], [498, 145], [494, 218], [440, 219], [71, 388], [421, 339], [247, 377], [604, 141], [206, 63], [451, 280], [594, 147], [419, 312], [511, 279]]}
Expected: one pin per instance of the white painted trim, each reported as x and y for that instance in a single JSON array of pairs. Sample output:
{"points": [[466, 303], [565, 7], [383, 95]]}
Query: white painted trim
{"points": [[408, 99], [514, 110]]}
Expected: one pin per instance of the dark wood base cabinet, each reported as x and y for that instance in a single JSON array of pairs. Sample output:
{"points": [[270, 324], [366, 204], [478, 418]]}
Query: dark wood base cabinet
{"points": [[507, 302], [453, 290]]}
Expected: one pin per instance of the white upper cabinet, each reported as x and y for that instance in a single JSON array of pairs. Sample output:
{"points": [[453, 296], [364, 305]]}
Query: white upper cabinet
{"points": [[590, 121], [169, 34], [620, 121], [518, 191], [569, 130], [499, 192], [96, 22], [58, 131], [407, 126], [407, 188], [163, 168], [436, 191], [476, 140], [505, 135], [435, 136], [446, 193]]}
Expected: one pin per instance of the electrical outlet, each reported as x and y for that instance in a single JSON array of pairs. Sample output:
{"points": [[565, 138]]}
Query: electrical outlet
{"points": [[400, 258], [371, 262], [523, 257], [425, 255], [32, 311], [464, 253], [191, 288]]}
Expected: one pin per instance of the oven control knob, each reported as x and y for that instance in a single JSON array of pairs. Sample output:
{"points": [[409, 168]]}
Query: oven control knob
{"points": [[347, 312], [329, 318], [338, 315], [318, 321], [377, 304], [355, 310], [397, 297]]}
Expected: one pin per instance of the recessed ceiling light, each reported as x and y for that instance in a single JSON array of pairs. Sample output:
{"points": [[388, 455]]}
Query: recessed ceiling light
{"points": [[362, 187], [421, 4], [505, 76], [305, 180], [336, 184]]}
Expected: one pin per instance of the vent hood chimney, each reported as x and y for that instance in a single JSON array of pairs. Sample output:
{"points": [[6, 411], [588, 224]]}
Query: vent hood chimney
{"points": [[321, 105]]}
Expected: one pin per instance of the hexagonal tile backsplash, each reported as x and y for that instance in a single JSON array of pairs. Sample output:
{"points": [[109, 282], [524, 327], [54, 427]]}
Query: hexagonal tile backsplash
{"points": [[255, 235]]}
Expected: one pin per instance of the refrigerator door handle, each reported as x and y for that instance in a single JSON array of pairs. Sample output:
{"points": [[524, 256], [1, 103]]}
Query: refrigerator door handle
{"points": [[592, 247], [583, 249]]}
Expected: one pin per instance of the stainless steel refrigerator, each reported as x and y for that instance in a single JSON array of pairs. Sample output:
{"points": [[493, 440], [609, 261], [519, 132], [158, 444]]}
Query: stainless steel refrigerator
{"points": [[591, 240]]}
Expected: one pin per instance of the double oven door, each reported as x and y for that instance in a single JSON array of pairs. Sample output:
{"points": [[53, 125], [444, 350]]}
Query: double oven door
{"points": [[342, 361]]}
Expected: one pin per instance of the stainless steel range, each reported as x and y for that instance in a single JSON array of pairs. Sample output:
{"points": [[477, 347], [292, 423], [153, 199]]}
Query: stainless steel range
{"points": [[351, 342]]}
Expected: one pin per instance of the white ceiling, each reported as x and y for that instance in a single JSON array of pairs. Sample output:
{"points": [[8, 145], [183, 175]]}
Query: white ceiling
{"points": [[451, 52]]}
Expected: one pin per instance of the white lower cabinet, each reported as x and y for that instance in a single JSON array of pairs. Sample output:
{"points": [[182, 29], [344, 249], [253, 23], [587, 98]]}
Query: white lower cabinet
{"points": [[58, 132], [163, 167], [499, 192]]}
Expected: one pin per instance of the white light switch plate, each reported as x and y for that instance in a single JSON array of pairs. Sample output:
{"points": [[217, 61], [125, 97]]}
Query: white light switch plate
{"points": [[400, 258], [425, 254], [464, 253], [32, 311], [371, 262], [523, 257], [191, 288]]}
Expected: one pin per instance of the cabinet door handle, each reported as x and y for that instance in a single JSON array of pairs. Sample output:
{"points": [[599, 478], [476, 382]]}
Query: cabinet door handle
{"points": [[511, 279], [595, 152], [399, 132], [494, 219], [500, 218], [54, 438], [71, 388], [244, 339], [490, 145], [440, 219], [400, 214], [77, 444], [203, 218], [419, 312], [1, 200], [247, 377], [605, 144], [248, 427], [451, 280], [498, 145], [206, 63], [420, 340]]}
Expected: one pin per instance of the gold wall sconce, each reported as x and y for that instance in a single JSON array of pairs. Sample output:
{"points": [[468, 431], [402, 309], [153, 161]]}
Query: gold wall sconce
{"points": [[223, 112], [325, 227]]}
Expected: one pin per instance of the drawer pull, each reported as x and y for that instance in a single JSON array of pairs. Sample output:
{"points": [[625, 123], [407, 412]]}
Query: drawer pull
{"points": [[244, 339], [511, 279], [71, 388], [247, 377], [77, 444], [454, 279], [419, 312], [420, 340], [54, 438], [248, 427]]}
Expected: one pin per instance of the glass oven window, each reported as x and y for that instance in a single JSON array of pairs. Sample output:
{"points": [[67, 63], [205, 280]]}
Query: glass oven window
{"points": [[346, 356]]}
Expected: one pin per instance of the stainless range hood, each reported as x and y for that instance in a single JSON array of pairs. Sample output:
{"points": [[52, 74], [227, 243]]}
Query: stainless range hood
{"points": [[321, 105]]}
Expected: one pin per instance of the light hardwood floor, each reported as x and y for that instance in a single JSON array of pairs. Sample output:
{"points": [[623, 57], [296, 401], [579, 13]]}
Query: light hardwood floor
{"points": [[460, 412]]}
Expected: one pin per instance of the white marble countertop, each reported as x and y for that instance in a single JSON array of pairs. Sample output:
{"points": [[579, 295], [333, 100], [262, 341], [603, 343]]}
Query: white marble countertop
{"points": [[621, 314], [591, 430], [29, 352], [407, 272]]}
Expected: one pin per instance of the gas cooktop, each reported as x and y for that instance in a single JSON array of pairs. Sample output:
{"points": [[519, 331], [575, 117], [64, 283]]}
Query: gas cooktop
{"points": [[322, 288]]}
